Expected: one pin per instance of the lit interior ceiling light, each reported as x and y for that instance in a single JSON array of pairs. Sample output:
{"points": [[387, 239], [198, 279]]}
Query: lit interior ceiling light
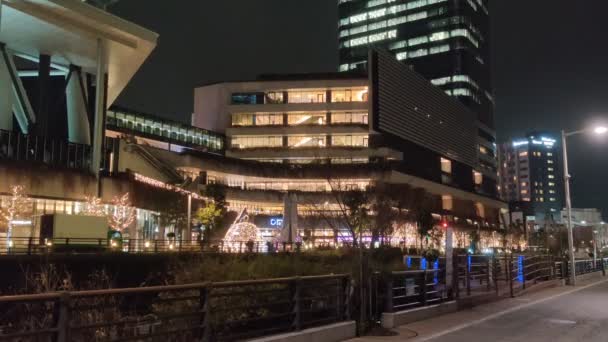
{"points": [[601, 130]]}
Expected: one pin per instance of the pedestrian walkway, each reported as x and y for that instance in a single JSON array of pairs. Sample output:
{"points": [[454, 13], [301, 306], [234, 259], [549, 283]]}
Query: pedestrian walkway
{"points": [[464, 325]]}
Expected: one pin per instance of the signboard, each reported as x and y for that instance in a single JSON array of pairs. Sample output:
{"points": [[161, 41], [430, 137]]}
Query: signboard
{"points": [[276, 222]]}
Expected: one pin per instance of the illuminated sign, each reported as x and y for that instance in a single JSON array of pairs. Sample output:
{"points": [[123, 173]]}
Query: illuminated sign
{"points": [[276, 221], [520, 143]]}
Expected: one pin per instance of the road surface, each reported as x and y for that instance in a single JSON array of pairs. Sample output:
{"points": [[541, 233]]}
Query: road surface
{"points": [[556, 315]]}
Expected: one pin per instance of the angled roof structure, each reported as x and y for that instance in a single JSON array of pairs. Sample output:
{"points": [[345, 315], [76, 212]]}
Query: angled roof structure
{"points": [[68, 31]]}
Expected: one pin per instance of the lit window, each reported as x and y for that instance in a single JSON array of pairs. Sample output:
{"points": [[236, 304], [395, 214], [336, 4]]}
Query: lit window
{"points": [[549, 161], [524, 192], [316, 96], [350, 140], [446, 165], [551, 176], [523, 154], [477, 177], [551, 184], [349, 118], [306, 119], [349, 95], [306, 141], [447, 202]]}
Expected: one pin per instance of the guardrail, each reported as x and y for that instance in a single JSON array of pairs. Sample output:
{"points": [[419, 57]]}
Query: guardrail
{"points": [[31, 246], [472, 272], [225, 311], [25, 147], [410, 289], [586, 266]]}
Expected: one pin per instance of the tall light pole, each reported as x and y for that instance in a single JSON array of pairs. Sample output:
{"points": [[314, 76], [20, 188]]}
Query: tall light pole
{"points": [[597, 130]]}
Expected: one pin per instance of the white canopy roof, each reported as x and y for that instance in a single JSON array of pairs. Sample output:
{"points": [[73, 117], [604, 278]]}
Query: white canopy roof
{"points": [[67, 30]]}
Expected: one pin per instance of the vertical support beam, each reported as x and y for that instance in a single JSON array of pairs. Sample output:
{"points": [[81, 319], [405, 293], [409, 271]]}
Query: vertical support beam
{"points": [[449, 260], [6, 94], [44, 78], [21, 103], [189, 222], [99, 124]]}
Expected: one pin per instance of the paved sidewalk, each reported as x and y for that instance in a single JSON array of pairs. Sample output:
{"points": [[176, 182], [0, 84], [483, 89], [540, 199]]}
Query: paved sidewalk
{"points": [[555, 314]]}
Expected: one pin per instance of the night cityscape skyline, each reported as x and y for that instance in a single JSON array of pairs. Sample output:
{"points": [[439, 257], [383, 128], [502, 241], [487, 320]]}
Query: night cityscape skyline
{"points": [[310, 170], [538, 84]]}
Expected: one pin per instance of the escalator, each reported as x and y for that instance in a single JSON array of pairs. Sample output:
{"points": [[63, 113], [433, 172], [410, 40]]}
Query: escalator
{"points": [[160, 165]]}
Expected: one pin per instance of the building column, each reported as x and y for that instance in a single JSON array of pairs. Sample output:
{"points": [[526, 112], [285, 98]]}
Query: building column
{"points": [[79, 127], [100, 95], [6, 96], [18, 99], [43, 109]]}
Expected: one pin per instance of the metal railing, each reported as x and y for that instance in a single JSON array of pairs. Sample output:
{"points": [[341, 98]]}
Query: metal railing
{"points": [[32, 148], [586, 266], [35, 245], [472, 273], [410, 289], [225, 311]]}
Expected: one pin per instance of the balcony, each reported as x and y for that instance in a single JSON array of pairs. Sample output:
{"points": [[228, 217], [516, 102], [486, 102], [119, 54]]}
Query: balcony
{"points": [[38, 149]]}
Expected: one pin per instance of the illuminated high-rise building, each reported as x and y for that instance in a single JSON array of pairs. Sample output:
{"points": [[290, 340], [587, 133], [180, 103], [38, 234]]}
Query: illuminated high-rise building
{"points": [[446, 41], [531, 175]]}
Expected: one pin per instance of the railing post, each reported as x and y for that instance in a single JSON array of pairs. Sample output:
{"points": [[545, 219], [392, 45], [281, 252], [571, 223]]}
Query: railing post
{"points": [[488, 269], [523, 271], [347, 298], [297, 307], [457, 275], [423, 289], [63, 317], [495, 272], [30, 241], [467, 274], [510, 275], [389, 305]]}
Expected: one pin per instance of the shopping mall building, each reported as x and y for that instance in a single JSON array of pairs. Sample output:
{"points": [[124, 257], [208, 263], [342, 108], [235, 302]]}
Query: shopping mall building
{"points": [[278, 144]]}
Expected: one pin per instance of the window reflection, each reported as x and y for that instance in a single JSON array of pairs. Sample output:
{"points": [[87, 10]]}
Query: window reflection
{"points": [[313, 96], [349, 95], [306, 141]]}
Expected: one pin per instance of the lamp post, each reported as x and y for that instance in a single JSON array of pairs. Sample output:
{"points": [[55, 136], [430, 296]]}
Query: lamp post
{"points": [[597, 130]]}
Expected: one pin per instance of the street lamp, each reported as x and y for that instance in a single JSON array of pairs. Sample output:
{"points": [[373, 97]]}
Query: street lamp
{"points": [[597, 130]]}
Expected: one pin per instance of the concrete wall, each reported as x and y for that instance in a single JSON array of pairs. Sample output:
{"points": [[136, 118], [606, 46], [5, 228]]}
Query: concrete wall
{"points": [[328, 333]]}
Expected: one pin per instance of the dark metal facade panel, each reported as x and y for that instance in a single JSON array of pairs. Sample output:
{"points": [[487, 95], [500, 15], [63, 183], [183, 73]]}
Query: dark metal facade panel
{"points": [[410, 107]]}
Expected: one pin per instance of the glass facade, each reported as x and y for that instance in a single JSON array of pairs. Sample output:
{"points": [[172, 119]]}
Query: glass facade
{"points": [[306, 141], [165, 130], [350, 140], [446, 41], [349, 118], [307, 119], [245, 142], [307, 96]]}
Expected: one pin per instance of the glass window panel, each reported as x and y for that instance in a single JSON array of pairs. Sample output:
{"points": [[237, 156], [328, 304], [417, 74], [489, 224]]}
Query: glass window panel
{"points": [[314, 96], [306, 119], [306, 141]]}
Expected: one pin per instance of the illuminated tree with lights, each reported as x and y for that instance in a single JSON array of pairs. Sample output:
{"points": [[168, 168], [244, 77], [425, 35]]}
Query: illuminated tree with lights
{"points": [[242, 232], [123, 214], [93, 207], [17, 205], [208, 216]]}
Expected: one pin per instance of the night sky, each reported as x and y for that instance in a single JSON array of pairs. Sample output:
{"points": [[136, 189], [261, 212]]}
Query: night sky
{"points": [[550, 63]]}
